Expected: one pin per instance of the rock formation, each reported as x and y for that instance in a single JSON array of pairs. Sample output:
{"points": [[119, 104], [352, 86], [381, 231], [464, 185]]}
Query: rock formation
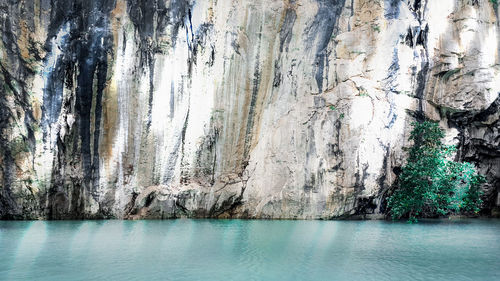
{"points": [[245, 108]]}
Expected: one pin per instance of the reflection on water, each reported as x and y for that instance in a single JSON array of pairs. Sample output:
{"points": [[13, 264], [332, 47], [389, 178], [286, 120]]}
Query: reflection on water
{"points": [[249, 250]]}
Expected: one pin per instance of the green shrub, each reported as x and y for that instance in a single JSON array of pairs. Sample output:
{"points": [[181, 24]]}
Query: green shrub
{"points": [[432, 185], [495, 3]]}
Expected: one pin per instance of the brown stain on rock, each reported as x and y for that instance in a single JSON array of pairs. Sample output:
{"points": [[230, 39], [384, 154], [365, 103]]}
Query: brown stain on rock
{"points": [[110, 96]]}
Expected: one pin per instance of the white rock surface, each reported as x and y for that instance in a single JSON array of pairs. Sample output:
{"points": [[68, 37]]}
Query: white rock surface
{"points": [[248, 108]]}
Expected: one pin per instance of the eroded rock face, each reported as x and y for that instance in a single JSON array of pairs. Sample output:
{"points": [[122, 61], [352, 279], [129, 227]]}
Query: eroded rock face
{"points": [[251, 109]]}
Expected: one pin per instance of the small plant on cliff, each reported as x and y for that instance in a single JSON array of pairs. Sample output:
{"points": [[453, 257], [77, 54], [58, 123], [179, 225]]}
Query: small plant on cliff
{"points": [[18, 145], [432, 185]]}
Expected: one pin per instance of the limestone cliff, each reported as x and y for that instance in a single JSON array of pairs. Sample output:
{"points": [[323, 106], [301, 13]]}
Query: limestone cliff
{"points": [[247, 108]]}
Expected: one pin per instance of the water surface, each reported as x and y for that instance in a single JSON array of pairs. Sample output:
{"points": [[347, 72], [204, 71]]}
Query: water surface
{"points": [[249, 250]]}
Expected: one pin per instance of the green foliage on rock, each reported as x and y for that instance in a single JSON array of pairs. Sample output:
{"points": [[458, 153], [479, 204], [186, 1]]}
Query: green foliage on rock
{"points": [[18, 145], [447, 75], [431, 184], [495, 3]]}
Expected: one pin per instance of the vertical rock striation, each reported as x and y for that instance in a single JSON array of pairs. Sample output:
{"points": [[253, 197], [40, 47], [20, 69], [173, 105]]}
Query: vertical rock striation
{"points": [[247, 109]]}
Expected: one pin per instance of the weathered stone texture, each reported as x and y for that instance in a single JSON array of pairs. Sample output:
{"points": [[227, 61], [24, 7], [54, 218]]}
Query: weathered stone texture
{"points": [[247, 109]]}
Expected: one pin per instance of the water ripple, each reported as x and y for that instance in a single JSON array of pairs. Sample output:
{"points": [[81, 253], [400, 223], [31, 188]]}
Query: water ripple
{"points": [[249, 250]]}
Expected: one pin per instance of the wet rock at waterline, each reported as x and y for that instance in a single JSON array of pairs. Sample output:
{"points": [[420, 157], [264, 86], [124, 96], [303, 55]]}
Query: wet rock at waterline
{"points": [[244, 109]]}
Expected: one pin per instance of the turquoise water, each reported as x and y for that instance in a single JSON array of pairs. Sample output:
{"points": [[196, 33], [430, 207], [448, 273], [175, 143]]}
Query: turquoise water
{"points": [[249, 250]]}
